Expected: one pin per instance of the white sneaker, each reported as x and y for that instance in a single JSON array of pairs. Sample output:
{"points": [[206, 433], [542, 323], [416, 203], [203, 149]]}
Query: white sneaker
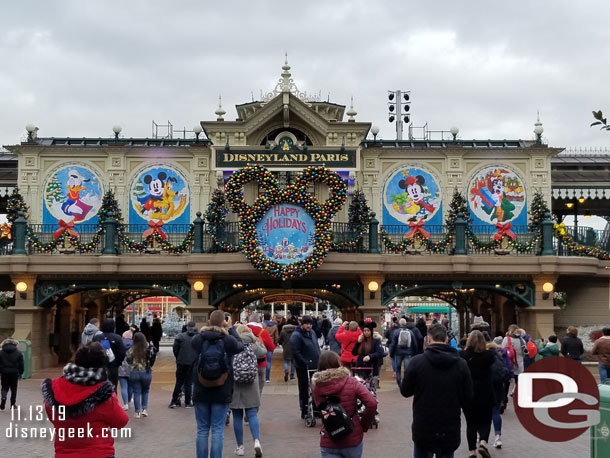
{"points": [[258, 450], [144, 413], [498, 442], [239, 451], [125, 407], [136, 415]]}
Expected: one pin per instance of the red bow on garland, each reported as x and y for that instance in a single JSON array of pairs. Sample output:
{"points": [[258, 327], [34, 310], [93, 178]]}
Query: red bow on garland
{"points": [[65, 227], [155, 228], [417, 228], [504, 229]]}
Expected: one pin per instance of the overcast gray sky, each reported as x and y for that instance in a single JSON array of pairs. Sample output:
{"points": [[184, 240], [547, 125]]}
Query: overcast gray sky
{"points": [[75, 68]]}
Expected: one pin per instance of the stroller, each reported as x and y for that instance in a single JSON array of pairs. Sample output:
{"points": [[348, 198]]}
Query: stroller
{"points": [[365, 376], [310, 417]]}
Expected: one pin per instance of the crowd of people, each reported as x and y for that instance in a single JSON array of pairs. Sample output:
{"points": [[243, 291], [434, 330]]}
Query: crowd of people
{"points": [[222, 368]]}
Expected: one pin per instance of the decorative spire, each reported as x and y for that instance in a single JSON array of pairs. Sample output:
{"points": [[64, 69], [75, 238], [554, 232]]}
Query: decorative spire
{"points": [[351, 112], [220, 112], [538, 129], [286, 81]]}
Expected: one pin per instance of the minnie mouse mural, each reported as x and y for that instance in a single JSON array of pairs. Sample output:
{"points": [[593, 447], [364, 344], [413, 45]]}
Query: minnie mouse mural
{"points": [[496, 195]]}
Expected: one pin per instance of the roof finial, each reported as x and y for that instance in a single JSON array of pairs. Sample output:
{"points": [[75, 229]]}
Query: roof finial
{"points": [[286, 81], [538, 129], [220, 112], [351, 112]]}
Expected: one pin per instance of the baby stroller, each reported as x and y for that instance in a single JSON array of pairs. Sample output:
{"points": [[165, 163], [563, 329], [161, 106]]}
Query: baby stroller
{"points": [[365, 376], [310, 417]]}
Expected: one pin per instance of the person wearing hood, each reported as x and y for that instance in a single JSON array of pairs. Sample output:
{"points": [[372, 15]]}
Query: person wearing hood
{"points": [[284, 341], [551, 347], [272, 329], [333, 343], [479, 324], [334, 380], [261, 333], [306, 352], [11, 369], [115, 343], [84, 398], [91, 330], [601, 349], [368, 349], [212, 402], [186, 356], [440, 382], [348, 335]]}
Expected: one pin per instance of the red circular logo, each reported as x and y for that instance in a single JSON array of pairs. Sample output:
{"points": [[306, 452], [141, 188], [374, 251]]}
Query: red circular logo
{"points": [[557, 399]]}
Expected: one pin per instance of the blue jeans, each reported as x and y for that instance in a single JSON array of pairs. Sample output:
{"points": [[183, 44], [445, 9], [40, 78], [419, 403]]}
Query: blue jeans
{"points": [[238, 424], [419, 452], [399, 361], [347, 452], [140, 385], [497, 420], [268, 372], [603, 373], [211, 416], [291, 361], [126, 391]]}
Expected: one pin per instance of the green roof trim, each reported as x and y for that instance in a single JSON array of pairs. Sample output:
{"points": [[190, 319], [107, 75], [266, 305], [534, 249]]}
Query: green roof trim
{"points": [[430, 309]]}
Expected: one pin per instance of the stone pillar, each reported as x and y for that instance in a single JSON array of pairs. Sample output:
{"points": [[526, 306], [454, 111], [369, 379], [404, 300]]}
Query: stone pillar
{"points": [[372, 308], [200, 308], [539, 321]]}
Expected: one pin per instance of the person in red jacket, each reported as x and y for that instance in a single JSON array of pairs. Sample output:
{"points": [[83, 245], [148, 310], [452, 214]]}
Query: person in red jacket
{"points": [[348, 335], [257, 329], [84, 398], [334, 380]]}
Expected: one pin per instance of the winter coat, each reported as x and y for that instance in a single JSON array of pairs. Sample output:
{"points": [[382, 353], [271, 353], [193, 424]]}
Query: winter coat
{"points": [[338, 382], [376, 355], [145, 329], [284, 340], [264, 337], [121, 326], [142, 365], [347, 339], [156, 331], [89, 332], [232, 345], [305, 349], [482, 326], [335, 345], [116, 342], [246, 396], [519, 346], [325, 327], [441, 384], [95, 407], [550, 349], [480, 364], [571, 347], [415, 348], [183, 350], [272, 329], [601, 349], [124, 368], [11, 359]]}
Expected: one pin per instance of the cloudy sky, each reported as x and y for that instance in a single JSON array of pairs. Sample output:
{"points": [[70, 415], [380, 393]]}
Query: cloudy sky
{"points": [[76, 68]]}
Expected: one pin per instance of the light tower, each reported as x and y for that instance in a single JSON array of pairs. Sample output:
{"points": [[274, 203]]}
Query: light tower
{"points": [[399, 104]]}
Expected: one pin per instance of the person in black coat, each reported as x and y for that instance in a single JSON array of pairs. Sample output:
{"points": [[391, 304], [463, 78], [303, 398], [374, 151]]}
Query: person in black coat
{"points": [[441, 385], [11, 368], [117, 347], [145, 328], [156, 332], [306, 352], [186, 357], [368, 349], [121, 325], [479, 414], [571, 345]]}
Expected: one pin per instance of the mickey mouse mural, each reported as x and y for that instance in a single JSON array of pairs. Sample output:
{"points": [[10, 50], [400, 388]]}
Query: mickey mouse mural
{"points": [[159, 193]]}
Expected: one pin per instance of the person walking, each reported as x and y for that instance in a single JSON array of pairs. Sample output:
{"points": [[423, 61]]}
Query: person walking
{"points": [[156, 332], [515, 347], [91, 330], [186, 356], [404, 346], [121, 325], [550, 348], [348, 335], [272, 329], [145, 329], [333, 380], [368, 349], [422, 327], [141, 358], [571, 345], [259, 332], [306, 352], [479, 413], [502, 374], [124, 370], [325, 327], [11, 369], [334, 344], [115, 350], [246, 397], [284, 341], [89, 402], [441, 386], [213, 396], [601, 349]]}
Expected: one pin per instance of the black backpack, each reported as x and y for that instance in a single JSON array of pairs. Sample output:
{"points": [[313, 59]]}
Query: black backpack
{"points": [[212, 368], [335, 419]]}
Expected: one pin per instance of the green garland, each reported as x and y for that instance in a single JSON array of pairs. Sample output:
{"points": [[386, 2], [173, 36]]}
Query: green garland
{"points": [[215, 217], [359, 218]]}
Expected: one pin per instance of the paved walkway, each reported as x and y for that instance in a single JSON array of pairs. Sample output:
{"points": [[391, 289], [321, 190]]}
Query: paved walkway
{"points": [[171, 432]]}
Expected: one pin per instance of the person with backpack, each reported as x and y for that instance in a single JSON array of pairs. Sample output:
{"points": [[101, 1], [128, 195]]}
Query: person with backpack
{"points": [[91, 330], [515, 347], [478, 414], [11, 369], [404, 345], [124, 370], [336, 394], [284, 341], [502, 374], [261, 334], [333, 343], [141, 358], [571, 345], [531, 349], [246, 396], [306, 352], [348, 335], [186, 357], [115, 350], [213, 383]]}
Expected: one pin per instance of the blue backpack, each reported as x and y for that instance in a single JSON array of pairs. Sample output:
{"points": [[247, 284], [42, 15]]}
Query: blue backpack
{"points": [[212, 367]]}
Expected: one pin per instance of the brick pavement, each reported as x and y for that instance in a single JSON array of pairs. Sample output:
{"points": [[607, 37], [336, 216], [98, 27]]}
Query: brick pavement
{"points": [[171, 432]]}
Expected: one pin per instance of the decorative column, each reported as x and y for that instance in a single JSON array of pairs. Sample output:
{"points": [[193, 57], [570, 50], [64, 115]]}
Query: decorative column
{"points": [[539, 321], [198, 234], [110, 230], [547, 236], [19, 228], [373, 234], [372, 308], [460, 235]]}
